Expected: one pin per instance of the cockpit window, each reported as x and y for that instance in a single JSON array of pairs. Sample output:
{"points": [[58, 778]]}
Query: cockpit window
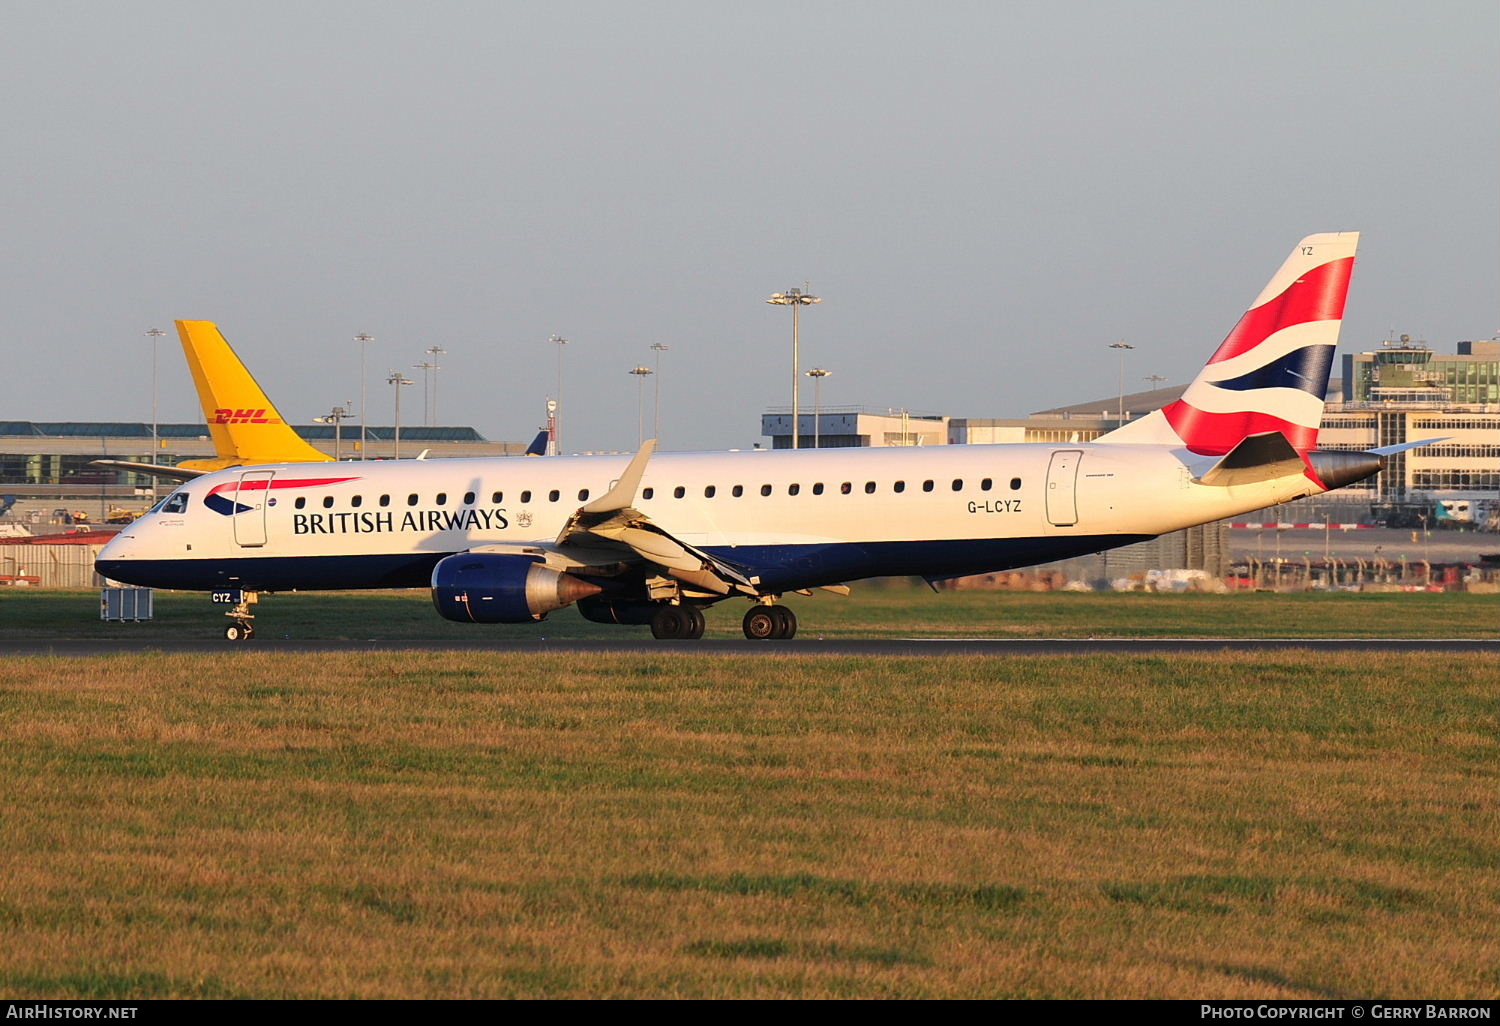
{"points": [[175, 503]]}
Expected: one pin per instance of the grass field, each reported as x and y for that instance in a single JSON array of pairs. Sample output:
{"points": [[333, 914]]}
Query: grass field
{"points": [[877, 609], [685, 824]]}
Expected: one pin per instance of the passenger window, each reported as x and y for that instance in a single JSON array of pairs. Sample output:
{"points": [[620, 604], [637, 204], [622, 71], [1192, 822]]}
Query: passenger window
{"points": [[899, 486], [846, 488], [818, 488], [958, 484], [793, 489], [583, 494], [709, 491], [468, 498], [869, 487], [385, 500], [411, 500], [356, 502], [300, 503], [737, 491], [926, 486], [1015, 484], [678, 492], [442, 499], [986, 485], [554, 495], [646, 493], [526, 496], [328, 502], [765, 489], [497, 498]]}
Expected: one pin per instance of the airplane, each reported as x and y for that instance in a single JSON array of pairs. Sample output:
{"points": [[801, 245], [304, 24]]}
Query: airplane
{"points": [[654, 539], [245, 425]]}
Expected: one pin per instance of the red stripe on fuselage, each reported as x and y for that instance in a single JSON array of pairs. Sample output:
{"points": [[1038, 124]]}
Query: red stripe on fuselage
{"points": [[255, 486], [1316, 296]]}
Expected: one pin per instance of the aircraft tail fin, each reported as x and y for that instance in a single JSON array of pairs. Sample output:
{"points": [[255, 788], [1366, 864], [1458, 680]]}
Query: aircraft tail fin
{"points": [[1271, 373], [245, 425]]}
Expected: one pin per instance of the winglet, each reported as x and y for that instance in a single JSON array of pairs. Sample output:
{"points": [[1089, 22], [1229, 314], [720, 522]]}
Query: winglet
{"points": [[538, 446], [622, 493]]}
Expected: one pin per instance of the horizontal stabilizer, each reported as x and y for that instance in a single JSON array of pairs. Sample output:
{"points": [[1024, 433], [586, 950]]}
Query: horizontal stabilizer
{"points": [[1257, 458], [1388, 450]]}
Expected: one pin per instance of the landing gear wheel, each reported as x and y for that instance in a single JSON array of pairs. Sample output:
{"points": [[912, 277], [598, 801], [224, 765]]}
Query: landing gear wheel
{"points": [[770, 622], [238, 632], [677, 623]]}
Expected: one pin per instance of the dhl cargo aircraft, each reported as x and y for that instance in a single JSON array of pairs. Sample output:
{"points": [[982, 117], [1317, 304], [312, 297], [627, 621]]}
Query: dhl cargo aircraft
{"points": [[246, 427], [654, 539]]}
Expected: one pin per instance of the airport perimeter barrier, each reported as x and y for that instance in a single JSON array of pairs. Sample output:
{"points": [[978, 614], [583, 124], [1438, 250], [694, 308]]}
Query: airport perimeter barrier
{"points": [[50, 566]]}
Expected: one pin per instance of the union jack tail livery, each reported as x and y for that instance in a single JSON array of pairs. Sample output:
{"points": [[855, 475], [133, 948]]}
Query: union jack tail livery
{"points": [[1271, 373]]}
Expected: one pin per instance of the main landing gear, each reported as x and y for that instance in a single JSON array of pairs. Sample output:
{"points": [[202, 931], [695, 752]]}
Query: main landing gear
{"points": [[677, 623], [764, 623]]}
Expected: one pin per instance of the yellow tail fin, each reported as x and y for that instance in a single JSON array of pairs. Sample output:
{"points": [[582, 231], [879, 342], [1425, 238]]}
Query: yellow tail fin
{"points": [[245, 425]]}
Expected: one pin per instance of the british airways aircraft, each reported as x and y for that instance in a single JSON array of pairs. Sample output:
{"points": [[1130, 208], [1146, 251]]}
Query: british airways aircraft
{"points": [[654, 539]]}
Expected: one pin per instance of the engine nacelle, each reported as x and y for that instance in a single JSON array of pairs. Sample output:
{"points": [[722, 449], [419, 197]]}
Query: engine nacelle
{"points": [[478, 587]]}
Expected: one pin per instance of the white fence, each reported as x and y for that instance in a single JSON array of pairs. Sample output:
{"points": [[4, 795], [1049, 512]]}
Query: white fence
{"points": [[57, 566]]}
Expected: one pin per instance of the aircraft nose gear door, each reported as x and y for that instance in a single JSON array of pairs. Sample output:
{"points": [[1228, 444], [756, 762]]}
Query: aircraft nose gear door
{"points": [[1062, 491], [250, 524]]}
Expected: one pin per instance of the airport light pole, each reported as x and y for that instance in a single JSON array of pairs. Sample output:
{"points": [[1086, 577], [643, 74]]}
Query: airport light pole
{"points": [[1121, 346], [796, 299], [336, 417], [555, 421], [433, 352], [364, 339], [154, 334], [818, 374], [396, 380], [641, 373], [659, 348]]}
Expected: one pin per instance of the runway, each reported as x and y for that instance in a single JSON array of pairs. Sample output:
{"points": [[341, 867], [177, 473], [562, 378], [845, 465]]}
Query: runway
{"points": [[807, 646]]}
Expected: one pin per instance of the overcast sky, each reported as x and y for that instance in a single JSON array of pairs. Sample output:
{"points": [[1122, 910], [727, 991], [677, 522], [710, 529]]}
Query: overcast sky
{"points": [[985, 195]]}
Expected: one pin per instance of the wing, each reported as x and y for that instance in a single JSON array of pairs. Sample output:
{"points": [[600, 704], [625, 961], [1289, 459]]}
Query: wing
{"points": [[612, 529], [153, 469]]}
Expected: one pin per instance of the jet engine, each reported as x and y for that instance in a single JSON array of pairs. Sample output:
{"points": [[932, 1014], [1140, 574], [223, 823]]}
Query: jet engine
{"points": [[477, 587]]}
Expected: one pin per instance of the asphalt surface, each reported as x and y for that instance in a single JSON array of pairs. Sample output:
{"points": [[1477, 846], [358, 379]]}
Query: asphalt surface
{"points": [[809, 645]]}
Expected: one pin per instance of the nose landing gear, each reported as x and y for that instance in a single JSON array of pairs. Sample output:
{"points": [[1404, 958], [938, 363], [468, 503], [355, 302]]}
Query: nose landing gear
{"points": [[242, 622]]}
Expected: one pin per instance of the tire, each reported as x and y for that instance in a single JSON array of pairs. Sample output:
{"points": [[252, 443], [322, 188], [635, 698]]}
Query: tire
{"points": [[670, 623], [786, 623], [236, 632], [762, 623]]}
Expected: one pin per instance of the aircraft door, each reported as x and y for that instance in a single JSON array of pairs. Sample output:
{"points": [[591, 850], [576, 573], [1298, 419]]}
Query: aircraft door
{"points": [[1062, 487], [250, 524]]}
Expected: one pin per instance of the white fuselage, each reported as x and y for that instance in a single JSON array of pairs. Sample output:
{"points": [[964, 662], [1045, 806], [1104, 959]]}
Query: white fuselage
{"points": [[794, 518]]}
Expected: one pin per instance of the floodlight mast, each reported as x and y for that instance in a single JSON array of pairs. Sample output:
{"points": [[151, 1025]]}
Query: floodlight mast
{"points": [[154, 334], [818, 374], [364, 339], [796, 299], [641, 373], [1121, 346]]}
